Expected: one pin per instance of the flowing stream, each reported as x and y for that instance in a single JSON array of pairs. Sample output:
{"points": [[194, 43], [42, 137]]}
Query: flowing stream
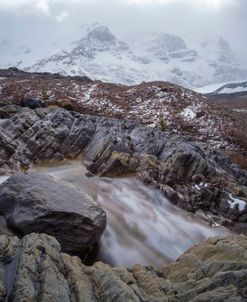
{"points": [[142, 225]]}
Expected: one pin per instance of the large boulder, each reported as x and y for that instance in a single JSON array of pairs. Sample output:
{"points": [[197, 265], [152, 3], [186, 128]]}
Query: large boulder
{"points": [[32, 103], [35, 203], [34, 269]]}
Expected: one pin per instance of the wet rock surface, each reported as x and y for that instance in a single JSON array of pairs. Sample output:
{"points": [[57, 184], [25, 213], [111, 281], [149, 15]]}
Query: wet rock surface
{"points": [[35, 203], [34, 269], [191, 174]]}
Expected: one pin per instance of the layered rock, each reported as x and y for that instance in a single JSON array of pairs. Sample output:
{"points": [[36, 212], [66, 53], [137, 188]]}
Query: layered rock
{"points": [[190, 173], [34, 269], [35, 203]]}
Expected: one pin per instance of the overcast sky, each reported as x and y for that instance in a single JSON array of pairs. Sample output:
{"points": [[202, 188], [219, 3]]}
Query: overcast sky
{"points": [[36, 20]]}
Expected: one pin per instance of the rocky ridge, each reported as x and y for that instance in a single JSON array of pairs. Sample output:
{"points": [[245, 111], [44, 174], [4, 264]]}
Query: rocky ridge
{"points": [[190, 173], [182, 110], [34, 269]]}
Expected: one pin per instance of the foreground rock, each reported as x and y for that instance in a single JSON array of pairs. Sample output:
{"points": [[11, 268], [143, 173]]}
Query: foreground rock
{"points": [[34, 269], [191, 174], [35, 203]]}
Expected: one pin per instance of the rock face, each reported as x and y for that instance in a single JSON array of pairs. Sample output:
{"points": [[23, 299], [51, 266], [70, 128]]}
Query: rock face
{"points": [[34, 269], [190, 173], [34, 203]]}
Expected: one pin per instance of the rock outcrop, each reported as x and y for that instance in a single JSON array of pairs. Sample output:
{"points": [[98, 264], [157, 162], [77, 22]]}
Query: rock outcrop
{"points": [[35, 203], [34, 269], [190, 173], [154, 103]]}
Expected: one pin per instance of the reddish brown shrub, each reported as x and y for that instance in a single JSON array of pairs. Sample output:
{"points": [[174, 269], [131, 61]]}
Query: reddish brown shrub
{"points": [[239, 159]]}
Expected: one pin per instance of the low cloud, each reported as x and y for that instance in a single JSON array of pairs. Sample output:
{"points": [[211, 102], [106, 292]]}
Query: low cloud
{"points": [[64, 15], [188, 18], [37, 7]]}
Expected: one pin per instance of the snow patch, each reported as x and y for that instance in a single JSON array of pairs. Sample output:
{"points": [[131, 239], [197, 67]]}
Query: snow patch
{"points": [[200, 186], [3, 178], [235, 201], [88, 93], [188, 114]]}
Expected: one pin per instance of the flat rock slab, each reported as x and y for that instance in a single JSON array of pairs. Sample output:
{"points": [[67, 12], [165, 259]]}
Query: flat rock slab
{"points": [[34, 269], [35, 203]]}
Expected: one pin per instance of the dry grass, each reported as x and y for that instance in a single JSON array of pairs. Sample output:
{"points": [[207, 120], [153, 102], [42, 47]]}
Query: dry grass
{"points": [[239, 159], [235, 126]]}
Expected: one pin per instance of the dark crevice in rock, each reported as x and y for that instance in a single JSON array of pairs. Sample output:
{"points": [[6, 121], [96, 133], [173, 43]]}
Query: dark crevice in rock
{"points": [[10, 273]]}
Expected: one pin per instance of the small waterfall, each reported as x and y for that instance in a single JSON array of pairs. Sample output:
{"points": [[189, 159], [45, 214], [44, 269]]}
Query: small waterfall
{"points": [[142, 225]]}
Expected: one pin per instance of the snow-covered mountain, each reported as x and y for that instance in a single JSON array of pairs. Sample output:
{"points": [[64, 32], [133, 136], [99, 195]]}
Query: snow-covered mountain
{"points": [[96, 52], [232, 88], [224, 88]]}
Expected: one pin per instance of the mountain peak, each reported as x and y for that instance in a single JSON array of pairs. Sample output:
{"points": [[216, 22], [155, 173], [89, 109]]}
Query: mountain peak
{"points": [[95, 51], [171, 42], [101, 33]]}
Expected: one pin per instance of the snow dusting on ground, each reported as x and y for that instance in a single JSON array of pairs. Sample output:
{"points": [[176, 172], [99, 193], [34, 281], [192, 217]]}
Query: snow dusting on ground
{"points": [[182, 110]]}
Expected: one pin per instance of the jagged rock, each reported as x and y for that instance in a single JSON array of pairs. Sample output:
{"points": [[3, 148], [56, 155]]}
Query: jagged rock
{"points": [[118, 164], [34, 269], [7, 110], [35, 203], [81, 131], [147, 141], [101, 153], [36, 136]]}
